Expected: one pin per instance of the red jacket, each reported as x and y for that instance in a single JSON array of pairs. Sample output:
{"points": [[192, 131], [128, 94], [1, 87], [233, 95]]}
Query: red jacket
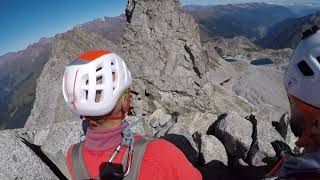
{"points": [[161, 161]]}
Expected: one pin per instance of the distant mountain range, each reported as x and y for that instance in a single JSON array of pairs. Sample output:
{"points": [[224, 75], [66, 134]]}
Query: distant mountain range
{"points": [[15, 70], [287, 34], [255, 21], [303, 9], [111, 28], [249, 20]]}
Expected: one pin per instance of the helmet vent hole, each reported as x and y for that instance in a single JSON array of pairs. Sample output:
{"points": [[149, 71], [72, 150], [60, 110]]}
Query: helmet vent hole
{"points": [[113, 76], [305, 69], [318, 59], [87, 82], [86, 94], [98, 95], [112, 63], [99, 80], [98, 69]]}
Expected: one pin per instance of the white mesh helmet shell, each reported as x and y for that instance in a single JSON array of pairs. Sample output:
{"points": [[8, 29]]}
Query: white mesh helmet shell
{"points": [[92, 73], [302, 78]]}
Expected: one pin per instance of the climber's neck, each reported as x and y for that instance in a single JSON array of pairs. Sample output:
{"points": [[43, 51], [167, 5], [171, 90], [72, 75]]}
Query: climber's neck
{"points": [[103, 123], [107, 124]]}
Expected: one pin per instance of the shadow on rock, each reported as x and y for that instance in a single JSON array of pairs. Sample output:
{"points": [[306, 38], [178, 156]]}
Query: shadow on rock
{"points": [[44, 158], [216, 170], [211, 129], [235, 170], [281, 126], [184, 145]]}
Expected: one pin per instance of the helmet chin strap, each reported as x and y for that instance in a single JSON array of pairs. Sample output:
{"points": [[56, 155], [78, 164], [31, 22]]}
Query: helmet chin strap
{"points": [[92, 122]]}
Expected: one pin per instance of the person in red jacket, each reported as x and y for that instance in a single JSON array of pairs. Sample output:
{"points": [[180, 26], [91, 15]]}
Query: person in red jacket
{"points": [[96, 87], [302, 83]]}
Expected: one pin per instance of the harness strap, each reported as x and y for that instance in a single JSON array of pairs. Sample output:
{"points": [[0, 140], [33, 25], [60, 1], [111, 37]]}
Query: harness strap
{"points": [[80, 171], [124, 161], [139, 148], [78, 166]]}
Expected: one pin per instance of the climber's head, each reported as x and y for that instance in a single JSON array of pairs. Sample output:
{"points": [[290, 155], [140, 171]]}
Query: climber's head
{"points": [[96, 86], [302, 83]]}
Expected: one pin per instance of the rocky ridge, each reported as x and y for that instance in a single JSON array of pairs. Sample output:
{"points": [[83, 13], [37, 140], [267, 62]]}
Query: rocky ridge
{"points": [[184, 90]]}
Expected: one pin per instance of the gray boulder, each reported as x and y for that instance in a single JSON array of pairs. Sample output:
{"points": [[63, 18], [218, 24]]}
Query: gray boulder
{"points": [[158, 118], [235, 133], [264, 135], [179, 135], [284, 129], [197, 122], [213, 150]]}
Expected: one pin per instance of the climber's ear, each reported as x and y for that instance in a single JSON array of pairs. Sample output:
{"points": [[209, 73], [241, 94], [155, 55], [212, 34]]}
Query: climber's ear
{"points": [[124, 100]]}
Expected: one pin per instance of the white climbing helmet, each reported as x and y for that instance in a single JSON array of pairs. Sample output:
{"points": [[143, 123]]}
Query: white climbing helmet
{"points": [[90, 75], [302, 79]]}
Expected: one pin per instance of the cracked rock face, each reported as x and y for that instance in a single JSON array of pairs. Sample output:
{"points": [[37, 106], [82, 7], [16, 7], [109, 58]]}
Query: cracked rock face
{"points": [[17, 161], [162, 47], [159, 118]]}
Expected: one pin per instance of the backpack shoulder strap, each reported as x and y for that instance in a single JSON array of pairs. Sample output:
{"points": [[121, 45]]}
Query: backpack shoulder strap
{"points": [[78, 167], [139, 147]]}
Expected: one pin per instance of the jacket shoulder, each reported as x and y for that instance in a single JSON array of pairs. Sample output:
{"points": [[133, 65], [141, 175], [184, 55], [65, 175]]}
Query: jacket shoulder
{"points": [[163, 160]]}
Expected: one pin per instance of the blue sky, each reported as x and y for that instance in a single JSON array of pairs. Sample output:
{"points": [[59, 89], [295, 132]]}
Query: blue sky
{"points": [[25, 21]]}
